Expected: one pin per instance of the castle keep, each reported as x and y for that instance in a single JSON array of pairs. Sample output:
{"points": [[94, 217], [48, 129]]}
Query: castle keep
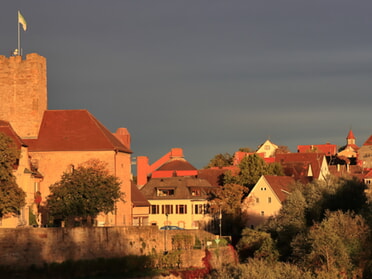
{"points": [[54, 141], [23, 92]]}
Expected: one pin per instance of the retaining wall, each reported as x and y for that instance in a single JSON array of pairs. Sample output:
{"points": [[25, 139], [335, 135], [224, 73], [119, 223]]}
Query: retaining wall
{"points": [[36, 246]]}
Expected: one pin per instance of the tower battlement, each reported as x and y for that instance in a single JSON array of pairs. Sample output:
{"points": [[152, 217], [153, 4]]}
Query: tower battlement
{"points": [[23, 92]]}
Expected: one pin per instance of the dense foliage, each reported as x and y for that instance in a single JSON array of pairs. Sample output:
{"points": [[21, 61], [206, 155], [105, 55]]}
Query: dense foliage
{"points": [[323, 230], [84, 193], [220, 160], [12, 197], [251, 168]]}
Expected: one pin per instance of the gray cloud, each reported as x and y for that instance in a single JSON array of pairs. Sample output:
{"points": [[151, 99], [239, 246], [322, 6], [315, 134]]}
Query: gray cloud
{"points": [[209, 77]]}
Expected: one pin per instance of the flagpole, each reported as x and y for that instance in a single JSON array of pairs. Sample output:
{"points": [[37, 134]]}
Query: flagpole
{"points": [[19, 36]]}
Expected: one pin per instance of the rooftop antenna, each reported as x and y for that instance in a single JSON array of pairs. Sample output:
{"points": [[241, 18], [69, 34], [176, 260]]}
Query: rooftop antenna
{"points": [[21, 21]]}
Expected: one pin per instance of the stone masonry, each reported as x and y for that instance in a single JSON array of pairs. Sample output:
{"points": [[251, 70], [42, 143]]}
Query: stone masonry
{"points": [[37, 246], [23, 92]]}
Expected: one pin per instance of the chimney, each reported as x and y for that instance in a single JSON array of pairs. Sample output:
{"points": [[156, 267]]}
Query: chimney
{"points": [[176, 152], [142, 170], [123, 135]]}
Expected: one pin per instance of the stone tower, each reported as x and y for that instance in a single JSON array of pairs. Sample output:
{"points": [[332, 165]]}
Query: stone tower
{"points": [[23, 93]]}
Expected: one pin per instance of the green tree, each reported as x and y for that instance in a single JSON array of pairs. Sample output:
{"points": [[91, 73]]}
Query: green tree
{"points": [[257, 244], [220, 160], [288, 223], [12, 197], [258, 269], [251, 168], [337, 244], [246, 149], [84, 193]]}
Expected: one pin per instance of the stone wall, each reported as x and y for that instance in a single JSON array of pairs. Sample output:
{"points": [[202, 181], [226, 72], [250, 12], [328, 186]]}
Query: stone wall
{"points": [[36, 246]]}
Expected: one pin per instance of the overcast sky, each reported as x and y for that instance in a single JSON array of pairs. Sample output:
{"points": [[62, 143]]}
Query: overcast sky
{"points": [[207, 76]]}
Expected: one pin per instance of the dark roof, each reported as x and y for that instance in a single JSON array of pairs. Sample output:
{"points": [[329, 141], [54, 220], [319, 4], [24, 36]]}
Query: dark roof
{"points": [[182, 187], [176, 164], [74, 130], [7, 129], [138, 199], [346, 171]]}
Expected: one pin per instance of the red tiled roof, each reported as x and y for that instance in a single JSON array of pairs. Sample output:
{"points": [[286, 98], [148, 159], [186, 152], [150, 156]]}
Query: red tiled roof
{"points": [[298, 163], [350, 135], [74, 130], [280, 185], [368, 141], [214, 176], [328, 149], [176, 164], [7, 129]]}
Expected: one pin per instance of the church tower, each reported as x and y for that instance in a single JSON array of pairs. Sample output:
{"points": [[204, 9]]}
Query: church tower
{"points": [[23, 93]]}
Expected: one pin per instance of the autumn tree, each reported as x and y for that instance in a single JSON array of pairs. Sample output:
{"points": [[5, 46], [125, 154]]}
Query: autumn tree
{"points": [[226, 203], [12, 197], [229, 199], [84, 193]]}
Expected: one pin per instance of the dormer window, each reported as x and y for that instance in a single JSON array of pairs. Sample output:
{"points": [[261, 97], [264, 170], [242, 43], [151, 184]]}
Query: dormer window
{"points": [[165, 192], [195, 192]]}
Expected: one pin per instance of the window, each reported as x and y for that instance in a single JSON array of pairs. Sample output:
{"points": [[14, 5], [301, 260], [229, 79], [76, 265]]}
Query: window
{"points": [[181, 209], [155, 209], [262, 213], [167, 209], [269, 199], [165, 192], [195, 192], [257, 200], [263, 188], [199, 209]]}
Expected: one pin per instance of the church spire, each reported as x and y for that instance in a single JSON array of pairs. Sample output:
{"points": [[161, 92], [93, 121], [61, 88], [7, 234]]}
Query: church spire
{"points": [[350, 137]]}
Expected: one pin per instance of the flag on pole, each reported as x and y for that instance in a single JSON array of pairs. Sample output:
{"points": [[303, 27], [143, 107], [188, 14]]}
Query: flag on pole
{"points": [[22, 21]]}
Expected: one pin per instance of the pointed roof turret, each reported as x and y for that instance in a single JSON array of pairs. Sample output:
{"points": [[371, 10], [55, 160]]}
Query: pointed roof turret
{"points": [[350, 135]]}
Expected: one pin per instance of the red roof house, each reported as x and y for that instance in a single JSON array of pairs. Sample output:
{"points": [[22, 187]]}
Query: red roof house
{"points": [[68, 138]]}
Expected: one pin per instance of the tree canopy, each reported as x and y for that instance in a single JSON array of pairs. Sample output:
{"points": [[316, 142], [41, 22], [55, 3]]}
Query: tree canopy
{"points": [[12, 197], [84, 192], [220, 160], [322, 231], [251, 168]]}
